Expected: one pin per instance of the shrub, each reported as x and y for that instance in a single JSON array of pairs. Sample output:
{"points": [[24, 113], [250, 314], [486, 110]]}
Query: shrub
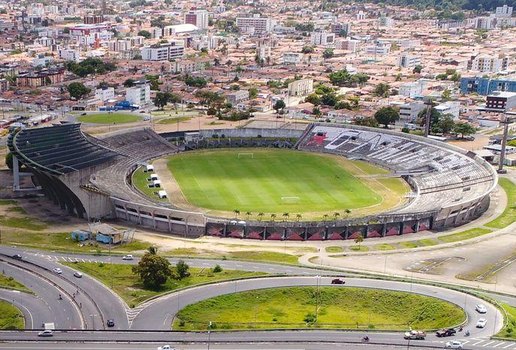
{"points": [[217, 268]]}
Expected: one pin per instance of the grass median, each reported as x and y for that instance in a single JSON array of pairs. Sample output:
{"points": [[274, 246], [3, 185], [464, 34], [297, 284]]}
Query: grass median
{"points": [[10, 316], [509, 214], [509, 330], [337, 308], [7, 282], [121, 279]]}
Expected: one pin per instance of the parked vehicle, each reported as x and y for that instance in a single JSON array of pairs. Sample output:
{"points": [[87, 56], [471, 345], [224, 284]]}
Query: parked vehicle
{"points": [[337, 281], [445, 332], [415, 335], [481, 323], [481, 308], [46, 333], [454, 344]]}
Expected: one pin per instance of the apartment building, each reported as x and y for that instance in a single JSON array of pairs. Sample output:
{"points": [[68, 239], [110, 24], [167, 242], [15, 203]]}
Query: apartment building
{"points": [[488, 64], [486, 86], [344, 27], [199, 18], [410, 111], [413, 89], [301, 87], [379, 48], [163, 52], [292, 58], [104, 94], [449, 107], [44, 77], [347, 44], [503, 11], [254, 25], [139, 94], [501, 100], [409, 61], [322, 39], [236, 97]]}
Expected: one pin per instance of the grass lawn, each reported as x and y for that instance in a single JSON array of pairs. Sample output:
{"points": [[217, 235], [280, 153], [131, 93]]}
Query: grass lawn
{"points": [[509, 331], [408, 244], [272, 181], [109, 118], [384, 246], [7, 202], [139, 179], [10, 283], [334, 249], [22, 223], [127, 285], [357, 248], [262, 256], [427, 242], [173, 120], [509, 214], [10, 316], [61, 241], [461, 236], [339, 307]]}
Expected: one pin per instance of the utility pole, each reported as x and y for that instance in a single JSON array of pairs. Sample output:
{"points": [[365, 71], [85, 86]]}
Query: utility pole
{"points": [[428, 116], [505, 121]]}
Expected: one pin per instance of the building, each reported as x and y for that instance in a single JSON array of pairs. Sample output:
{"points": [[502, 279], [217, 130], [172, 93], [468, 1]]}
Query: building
{"points": [[139, 94], [347, 44], [501, 100], [301, 87], [40, 78], [410, 111], [488, 64], [409, 61], [379, 48], [343, 29], [189, 66], [503, 11], [104, 94], [69, 55], [486, 86], [163, 52], [178, 29], [236, 97], [322, 39], [255, 25], [385, 21], [413, 89], [292, 58], [198, 18], [93, 19], [449, 107], [361, 15]]}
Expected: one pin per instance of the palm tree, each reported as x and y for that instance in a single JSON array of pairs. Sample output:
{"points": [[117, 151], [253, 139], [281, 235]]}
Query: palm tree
{"points": [[237, 212], [336, 215], [248, 214], [273, 216], [286, 215], [298, 217], [260, 215]]}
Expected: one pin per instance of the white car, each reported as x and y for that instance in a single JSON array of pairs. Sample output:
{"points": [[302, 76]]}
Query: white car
{"points": [[481, 308], [77, 274], [127, 257], [165, 347], [481, 323], [57, 270], [454, 344], [46, 333]]}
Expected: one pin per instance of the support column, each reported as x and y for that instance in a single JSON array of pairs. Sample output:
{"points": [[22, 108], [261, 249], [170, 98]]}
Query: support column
{"points": [[16, 174]]}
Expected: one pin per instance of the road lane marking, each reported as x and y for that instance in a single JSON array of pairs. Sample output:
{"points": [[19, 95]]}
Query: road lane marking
{"points": [[478, 342], [508, 346], [497, 345], [489, 343]]}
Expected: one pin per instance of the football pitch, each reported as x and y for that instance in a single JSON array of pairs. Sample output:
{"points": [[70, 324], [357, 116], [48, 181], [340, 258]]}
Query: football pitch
{"points": [[274, 181]]}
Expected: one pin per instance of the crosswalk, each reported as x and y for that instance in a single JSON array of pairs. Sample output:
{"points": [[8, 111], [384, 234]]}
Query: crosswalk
{"points": [[57, 258], [484, 343]]}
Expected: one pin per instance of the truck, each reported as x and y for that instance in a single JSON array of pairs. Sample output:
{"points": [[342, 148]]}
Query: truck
{"points": [[415, 335]]}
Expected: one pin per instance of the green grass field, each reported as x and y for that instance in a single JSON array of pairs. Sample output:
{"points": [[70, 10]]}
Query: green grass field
{"points": [[338, 307], [10, 283], [10, 316], [278, 181], [109, 118], [509, 214]]}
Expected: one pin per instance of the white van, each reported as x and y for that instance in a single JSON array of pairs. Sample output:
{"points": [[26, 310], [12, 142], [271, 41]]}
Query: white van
{"points": [[162, 194]]}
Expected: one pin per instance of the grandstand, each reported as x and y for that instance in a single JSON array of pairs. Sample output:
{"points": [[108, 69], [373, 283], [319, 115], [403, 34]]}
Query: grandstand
{"points": [[91, 178]]}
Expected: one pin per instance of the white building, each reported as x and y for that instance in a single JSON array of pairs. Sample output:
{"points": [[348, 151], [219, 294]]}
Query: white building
{"points": [[104, 94], [139, 94], [189, 66], [385, 21], [347, 44], [323, 39], [379, 48], [301, 87], [69, 55], [409, 61], [361, 15], [413, 89], [450, 107], [410, 111], [503, 11], [163, 52], [198, 18], [488, 63], [292, 58], [255, 25]]}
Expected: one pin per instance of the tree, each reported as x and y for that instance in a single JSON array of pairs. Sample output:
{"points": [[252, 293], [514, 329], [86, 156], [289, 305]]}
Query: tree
{"points": [[182, 270], [417, 69], [382, 90], [317, 112], [237, 212], [359, 239], [307, 49], [328, 53], [260, 216], [253, 93], [313, 99], [161, 99], [366, 121], [154, 270], [145, 33], [279, 105], [199, 82], [77, 90], [464, 129], [446, 124], [386, 116], [446, 95], [329, 99]]}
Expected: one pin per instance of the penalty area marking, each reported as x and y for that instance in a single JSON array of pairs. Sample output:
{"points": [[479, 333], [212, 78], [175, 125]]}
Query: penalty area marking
{"points": [[246, 155], [290, 200]]}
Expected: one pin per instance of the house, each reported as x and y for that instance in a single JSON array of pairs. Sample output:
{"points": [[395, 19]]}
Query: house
{"points": [[80, 235], [106, 234], [236, 97]]}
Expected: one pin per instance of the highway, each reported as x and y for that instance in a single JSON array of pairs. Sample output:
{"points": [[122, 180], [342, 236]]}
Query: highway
{"points": [[158, 314]]}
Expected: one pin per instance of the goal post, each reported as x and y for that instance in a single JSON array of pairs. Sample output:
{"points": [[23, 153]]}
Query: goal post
{"points": [[290, 199], [246, 155]]}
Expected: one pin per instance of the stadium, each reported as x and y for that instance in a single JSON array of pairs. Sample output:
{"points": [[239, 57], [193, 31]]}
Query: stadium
{"points": [[426, 184]]}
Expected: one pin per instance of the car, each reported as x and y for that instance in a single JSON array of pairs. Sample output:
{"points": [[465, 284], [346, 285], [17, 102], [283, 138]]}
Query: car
{"points": [[77, 274], [481, 308], [455, 344], [415, 335], [46, 333], [445, 332], [165, 347], [481, 323], [337, 281], [127, 257], [57, 270], [110, 323], [17, 257]]}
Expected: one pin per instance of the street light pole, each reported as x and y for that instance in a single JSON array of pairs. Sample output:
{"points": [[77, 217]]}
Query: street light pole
{"points": [[505, 122], [317, 298], [209, 335]]}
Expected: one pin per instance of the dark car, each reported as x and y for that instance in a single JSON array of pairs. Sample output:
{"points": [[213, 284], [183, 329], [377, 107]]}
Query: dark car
{"points": [[445, 332], [17, 257], [110, 323], [337, 281]]}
